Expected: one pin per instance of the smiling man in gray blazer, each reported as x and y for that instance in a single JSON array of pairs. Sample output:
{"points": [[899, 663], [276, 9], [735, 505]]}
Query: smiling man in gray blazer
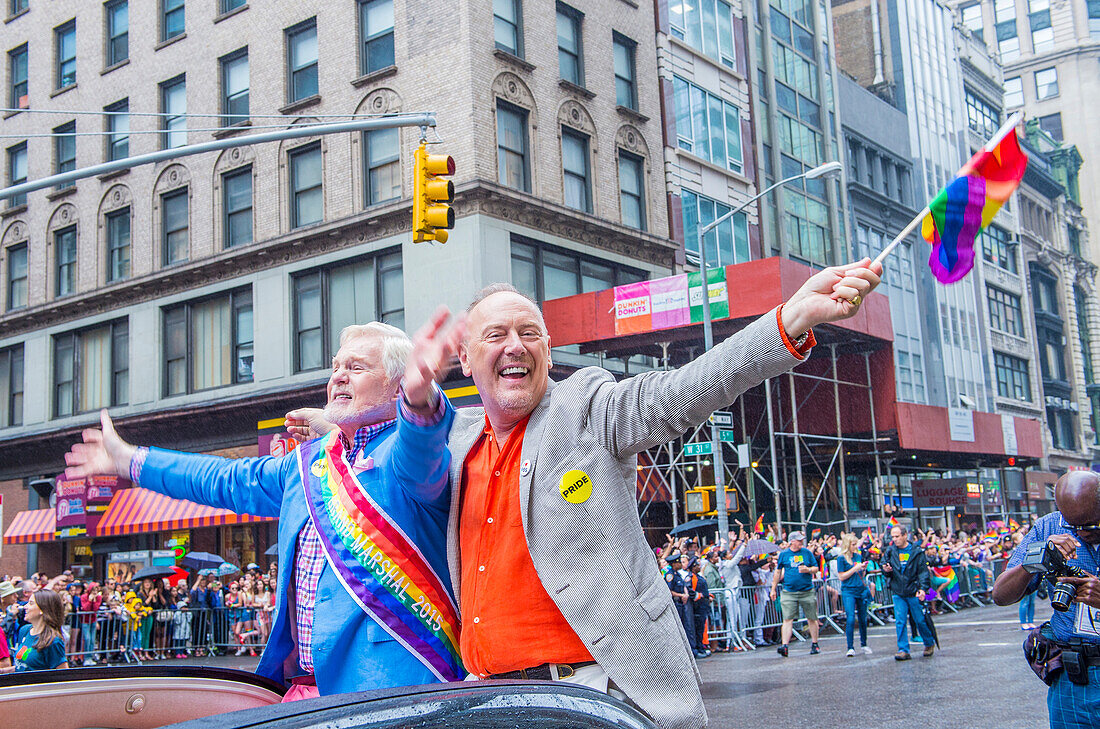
{"points": [[584, 600]]}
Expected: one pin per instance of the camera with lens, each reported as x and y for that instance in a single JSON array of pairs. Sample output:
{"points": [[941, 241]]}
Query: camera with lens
{"points": [[1044, 559]]}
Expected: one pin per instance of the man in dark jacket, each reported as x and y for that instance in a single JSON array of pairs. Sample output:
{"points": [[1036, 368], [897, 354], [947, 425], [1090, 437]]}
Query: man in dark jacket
{"points": [[700, 594], [907, 569]]}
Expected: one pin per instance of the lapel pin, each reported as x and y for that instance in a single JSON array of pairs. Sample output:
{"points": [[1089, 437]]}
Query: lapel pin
{"points": [[525, 468]]}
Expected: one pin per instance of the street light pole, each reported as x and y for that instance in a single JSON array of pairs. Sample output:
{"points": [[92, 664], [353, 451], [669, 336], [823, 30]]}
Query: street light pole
{"points": [[829, 168]]}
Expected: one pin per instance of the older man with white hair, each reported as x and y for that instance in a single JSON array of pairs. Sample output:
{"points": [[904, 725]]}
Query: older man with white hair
{"points": [[364, 595]]}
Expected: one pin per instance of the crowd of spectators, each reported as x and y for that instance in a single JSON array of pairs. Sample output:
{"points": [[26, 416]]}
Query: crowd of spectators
{"points": [[147, 619], [850, 569]]}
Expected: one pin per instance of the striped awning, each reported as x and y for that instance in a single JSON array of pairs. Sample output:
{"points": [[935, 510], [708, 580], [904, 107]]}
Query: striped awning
{"points": [[29, 527], [139, 511]]}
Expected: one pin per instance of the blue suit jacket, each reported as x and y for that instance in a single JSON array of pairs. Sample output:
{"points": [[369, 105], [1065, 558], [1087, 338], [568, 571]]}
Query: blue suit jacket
{"points": [[409, 480]]}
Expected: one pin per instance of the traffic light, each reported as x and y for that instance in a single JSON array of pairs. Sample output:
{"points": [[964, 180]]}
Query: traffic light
{"points": [[432, 195]]}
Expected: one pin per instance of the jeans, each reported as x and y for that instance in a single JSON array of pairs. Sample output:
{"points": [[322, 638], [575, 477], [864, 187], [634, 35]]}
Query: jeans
{"points": [[1027, 609], [903, 607], [855, 609], [1074, 707], [89, 639]]}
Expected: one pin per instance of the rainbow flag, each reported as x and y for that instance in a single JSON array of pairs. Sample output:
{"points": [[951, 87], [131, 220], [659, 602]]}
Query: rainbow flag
{"points": [[968, 204], [759, 528], [892, 523], [946, 583], [1013, 524]]}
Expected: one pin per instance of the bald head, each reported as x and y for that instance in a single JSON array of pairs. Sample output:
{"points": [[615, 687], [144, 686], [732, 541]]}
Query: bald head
{"points": [[1077, 495]]}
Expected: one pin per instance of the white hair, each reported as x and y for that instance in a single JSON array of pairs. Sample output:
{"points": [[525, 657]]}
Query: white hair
{"points": [[396, 345]]}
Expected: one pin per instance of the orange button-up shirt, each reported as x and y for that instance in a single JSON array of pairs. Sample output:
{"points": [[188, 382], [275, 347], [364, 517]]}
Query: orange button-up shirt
{"points": [[509, 621]]}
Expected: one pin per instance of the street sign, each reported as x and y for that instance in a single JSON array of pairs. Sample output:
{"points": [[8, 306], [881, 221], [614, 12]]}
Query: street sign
{"points": [[726, 436], [698, 449], [721, 417], [744, 459]]}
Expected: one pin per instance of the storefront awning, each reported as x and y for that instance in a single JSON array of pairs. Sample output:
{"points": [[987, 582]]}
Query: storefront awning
{"points": [[139, 511], [29, 527]]}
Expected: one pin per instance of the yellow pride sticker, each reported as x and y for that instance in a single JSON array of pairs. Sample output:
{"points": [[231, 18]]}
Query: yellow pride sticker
{"points": [[319, 468], [575, 486]]}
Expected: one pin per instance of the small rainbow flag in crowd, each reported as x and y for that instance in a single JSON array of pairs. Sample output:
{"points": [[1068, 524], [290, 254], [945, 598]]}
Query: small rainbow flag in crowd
{"points": [[1013, 524], [815, 534], [969, 202], [893, 522], [759, 528], [946, 582]]}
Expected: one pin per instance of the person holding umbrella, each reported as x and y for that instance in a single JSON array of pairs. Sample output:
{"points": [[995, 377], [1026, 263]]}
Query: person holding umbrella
{"points": [[907, 568]]}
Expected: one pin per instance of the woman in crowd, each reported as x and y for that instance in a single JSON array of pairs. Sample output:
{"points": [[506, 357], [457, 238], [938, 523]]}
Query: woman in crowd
{"points": [[265, 606], [89, 609], [40, 646], [853, 592], [163, 609], [234, 609]]}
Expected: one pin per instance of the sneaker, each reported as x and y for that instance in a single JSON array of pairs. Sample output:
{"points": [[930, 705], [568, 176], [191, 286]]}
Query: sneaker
{"points": [[814, 649], [929, 650], [698, 654], [901, 656], [851, 652], [240, 651], [88, 662], [866, 649], [782, 650]]}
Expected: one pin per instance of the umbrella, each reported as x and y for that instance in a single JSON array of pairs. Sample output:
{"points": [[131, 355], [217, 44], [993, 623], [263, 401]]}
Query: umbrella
{"points": [[930, 624], [226, 569], [693, 525], [200, 561], [273, 550], [180, 575], [154, 572], [757, 547]]}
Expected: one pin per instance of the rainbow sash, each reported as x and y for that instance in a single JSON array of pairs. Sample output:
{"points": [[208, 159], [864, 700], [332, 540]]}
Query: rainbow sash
{"points": [[379, 566]]}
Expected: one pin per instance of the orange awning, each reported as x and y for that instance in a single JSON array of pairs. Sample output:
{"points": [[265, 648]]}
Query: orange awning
{"points": [[29, 527], [138, 511], [652, 485]]}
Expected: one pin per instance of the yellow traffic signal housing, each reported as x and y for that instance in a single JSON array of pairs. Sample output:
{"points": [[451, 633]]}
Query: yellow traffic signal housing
{"points": [[432, 195], [697, 501]]}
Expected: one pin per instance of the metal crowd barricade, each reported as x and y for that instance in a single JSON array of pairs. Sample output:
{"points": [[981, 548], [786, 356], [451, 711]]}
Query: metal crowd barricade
{"points": [[758, 612], [105, 636]]}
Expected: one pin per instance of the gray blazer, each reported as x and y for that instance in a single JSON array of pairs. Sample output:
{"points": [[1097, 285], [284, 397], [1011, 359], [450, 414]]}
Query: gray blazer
{"points": [[591, 556]]}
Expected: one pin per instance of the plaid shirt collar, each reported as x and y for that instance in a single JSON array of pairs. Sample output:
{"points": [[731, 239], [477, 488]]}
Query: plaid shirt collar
{"points": [[363, 437]]}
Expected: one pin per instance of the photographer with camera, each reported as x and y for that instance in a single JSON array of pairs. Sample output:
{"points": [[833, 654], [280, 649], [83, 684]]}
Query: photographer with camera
{"points": [[1063, 548]]}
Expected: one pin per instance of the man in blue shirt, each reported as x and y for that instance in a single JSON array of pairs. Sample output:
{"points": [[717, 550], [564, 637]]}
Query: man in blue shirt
{"points": [[1075, 530], [796, 568], [905, 565]]}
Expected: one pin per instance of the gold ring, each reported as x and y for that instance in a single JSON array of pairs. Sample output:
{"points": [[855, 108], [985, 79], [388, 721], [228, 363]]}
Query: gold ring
{"points": [[856, 301]]}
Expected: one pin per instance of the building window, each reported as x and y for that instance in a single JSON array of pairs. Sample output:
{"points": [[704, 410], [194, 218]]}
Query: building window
{"points": [[229, 6], [171, 19], [1052, 354], [1014, 92], [972, 20], [1044, 292], [175, 235], [17, 276], [1038, 17], [382, 160], [632, 190], [1004, 22], [65, 259], [570, 57], [18, 6], [546, 272], [328, 299], [18, 98], [118, 130], [11, 386], [235, 88], [998, 248], [1013, 377], [17, 172], [376, 35], [91, 369], [513, 168], [575, 170], [65, 48], [726, 244], [64, 151], [208, 343], [1093, 7], [982, 117], [301, 44], [306, 193], [706, 26], [508, 26], [1084, 334], [118, 245], [1005, 312], [1052, 125], [1046, 83], [237, 202], [118, 31], [707, 126], [625, 87], [1063, 428], [173, 105]]}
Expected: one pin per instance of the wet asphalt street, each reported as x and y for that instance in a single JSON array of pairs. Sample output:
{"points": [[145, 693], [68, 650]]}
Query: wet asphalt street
{"points": [[978, 679]]}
